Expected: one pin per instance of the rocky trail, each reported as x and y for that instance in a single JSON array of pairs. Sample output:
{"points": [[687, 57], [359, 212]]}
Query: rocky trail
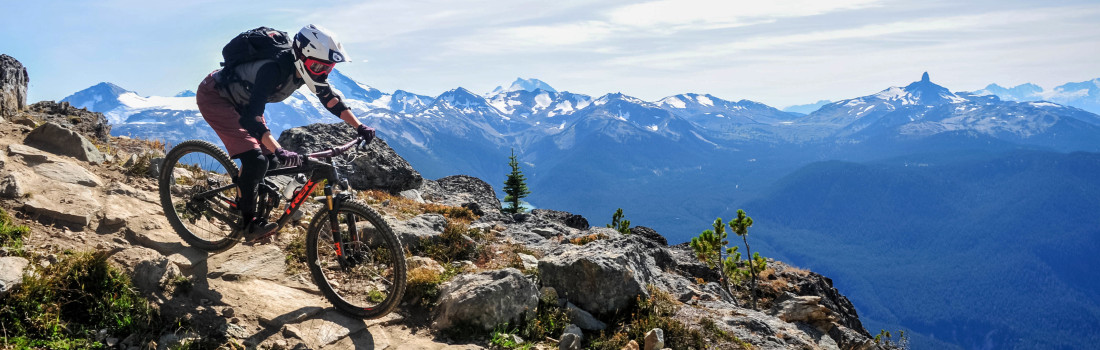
{"points": [[244, 292], [474, 272]]}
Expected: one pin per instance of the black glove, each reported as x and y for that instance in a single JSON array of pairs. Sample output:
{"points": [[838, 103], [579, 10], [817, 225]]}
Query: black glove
{"points": [[365, 132], [288, 158]]}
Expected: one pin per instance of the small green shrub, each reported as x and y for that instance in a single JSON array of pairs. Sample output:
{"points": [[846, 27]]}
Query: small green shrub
{"points": [[11, 235], [647, 314], [619, 222], [422, 287], [67, 303], [140, 167], [455, 244], [887, 340], [502, 339], [296, 255], [181, 285]]}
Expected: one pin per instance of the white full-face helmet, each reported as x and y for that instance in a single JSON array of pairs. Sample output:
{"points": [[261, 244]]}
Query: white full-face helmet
{"points": [[316, 50]]}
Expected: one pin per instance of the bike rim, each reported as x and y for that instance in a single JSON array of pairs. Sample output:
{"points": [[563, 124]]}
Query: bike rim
{"points": [[214, 218], [366, 276]]}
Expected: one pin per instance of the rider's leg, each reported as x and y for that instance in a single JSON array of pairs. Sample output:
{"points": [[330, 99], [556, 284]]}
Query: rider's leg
{"points": [[253, 168]]}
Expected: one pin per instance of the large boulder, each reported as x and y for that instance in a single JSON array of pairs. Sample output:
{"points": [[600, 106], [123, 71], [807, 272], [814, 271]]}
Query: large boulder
{"points": [[13, 86], [54, 138], [606, 275], [485, 300], [377, 167], [11, 273], [92, 125], [462, 191]]}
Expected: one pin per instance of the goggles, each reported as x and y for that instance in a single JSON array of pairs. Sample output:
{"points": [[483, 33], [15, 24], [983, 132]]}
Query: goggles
{"points": [[317, 67]]}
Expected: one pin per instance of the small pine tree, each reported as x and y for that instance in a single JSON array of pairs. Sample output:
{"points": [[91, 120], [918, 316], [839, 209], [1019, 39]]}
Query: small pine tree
{"points": [[740, 226], [618, 223], [515, 187], [708, 248]]}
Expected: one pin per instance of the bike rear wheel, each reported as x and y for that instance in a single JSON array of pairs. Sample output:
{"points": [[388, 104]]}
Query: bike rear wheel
{"points": [[205, 222], [364, 275]]}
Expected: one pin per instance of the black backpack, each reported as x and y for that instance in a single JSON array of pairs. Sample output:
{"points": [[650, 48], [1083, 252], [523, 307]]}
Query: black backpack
{"points": [[257, 44]]}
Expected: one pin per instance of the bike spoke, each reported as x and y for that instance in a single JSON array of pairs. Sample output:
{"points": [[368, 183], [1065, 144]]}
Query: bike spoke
{"points": [[367, 277]]}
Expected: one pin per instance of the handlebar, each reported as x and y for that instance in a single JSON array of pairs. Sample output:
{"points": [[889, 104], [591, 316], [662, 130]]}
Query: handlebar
{"points": [[336, 151]]}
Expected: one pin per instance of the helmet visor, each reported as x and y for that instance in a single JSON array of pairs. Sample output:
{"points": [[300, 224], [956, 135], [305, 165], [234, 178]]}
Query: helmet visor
{"points": [[318, 67]]}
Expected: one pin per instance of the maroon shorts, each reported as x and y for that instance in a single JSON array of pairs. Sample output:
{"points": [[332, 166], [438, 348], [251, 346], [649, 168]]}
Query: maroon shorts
{"points": [[222, 116]]}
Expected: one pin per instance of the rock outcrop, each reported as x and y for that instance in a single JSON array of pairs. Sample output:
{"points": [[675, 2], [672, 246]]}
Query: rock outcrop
{"points": [[54, 138], [92, 125], [485, 300], [13, 86], [377, 167], [462, 191]]}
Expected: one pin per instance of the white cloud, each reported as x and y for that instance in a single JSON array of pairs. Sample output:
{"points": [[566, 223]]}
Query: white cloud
{"points": [[675, 15]]}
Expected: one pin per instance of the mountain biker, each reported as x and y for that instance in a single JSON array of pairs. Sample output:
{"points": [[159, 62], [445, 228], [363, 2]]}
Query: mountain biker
{"points": [[234, 108]]}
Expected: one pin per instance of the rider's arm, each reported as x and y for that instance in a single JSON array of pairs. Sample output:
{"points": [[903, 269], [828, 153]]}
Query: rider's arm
{"points": [[334, 102]]}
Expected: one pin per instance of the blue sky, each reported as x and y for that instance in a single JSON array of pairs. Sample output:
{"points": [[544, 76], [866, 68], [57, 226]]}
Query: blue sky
{"points": [[775, 52]]}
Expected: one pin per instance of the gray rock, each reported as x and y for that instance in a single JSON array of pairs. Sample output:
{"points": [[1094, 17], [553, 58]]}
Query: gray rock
{"points": [[420, 262], [583, 319], [30, 155], [129, 258], [806, 309], [77, 208], [569, 341], [10, 187], [13, 86], [571, 338], [152, 276], [92, 125], [154, 167], [649, 234], [462, 191], [68, 172], [56, 139], [243, 262], [422, 227], [485, 300], [654, 339], [24, 121], [12, 269], [814, 284], [376, 167], [565, 218], [530, 262], [606, 275]]}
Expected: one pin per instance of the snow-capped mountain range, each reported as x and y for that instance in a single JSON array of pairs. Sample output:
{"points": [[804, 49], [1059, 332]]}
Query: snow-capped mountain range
{"points": [[1084, 95], [437, 129]]}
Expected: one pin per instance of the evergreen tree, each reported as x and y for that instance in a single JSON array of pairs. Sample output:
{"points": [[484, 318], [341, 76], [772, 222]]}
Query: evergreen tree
{"points": [[619, 223], [740, 226], [515, 187], [708, 248]]}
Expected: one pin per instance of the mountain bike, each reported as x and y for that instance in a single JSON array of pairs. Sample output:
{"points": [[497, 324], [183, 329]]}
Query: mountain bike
{"points": [[354, 257]]}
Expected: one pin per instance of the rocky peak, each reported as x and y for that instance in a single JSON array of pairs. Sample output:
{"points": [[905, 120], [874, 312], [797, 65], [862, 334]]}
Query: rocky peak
{"points": [[13, 86], [926, 92], [92, 125]]}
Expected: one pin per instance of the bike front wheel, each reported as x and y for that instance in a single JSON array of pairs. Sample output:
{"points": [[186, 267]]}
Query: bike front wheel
{"points": [[359, 266], [198, 196]]}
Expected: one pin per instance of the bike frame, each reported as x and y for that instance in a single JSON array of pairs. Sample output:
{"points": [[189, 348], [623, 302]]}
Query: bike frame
{"points": [[319, 168]]}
